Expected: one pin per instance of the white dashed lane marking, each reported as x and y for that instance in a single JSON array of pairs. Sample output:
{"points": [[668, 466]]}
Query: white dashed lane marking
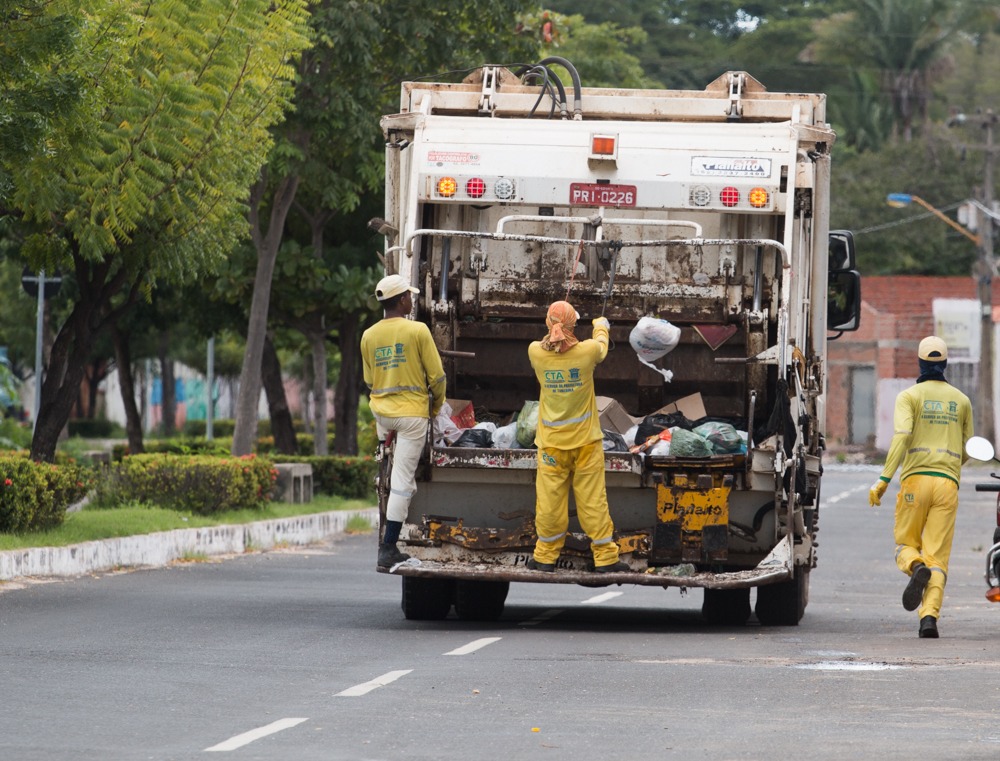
{"points": [[845, 495], [254, 734], [366, 687], [602, 598], [542, 617], [476, 644]]}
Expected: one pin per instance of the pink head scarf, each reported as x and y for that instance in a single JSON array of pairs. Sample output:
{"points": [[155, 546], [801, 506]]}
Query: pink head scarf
{"points": [[561, 321]]}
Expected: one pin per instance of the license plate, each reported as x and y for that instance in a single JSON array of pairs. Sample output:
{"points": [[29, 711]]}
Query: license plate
{"points": [[593, 194]]}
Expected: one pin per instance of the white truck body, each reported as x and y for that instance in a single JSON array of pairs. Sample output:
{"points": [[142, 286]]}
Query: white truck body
{"points": [[705, 208]]}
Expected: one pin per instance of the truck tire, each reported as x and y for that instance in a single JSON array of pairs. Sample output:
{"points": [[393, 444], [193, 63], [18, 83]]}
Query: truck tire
{"points": [[783, 604], [480, 600], [427, 599], [726, 607]]}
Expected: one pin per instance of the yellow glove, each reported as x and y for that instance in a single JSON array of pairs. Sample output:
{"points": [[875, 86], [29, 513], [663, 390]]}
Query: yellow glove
{"points": [[876, 492], [601, 322]]}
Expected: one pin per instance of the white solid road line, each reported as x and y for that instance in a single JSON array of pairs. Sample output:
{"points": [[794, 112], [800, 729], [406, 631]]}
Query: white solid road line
{"points": [[602, 598], [365, 688], [473, 646], [255, 734]]}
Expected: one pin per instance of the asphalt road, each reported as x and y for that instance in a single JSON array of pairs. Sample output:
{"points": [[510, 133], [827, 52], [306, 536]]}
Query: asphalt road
{"points": [[306, 655]]}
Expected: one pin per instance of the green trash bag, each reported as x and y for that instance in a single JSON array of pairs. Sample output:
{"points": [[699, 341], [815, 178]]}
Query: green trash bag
{"points": [[723, 437], [685, 443], [527, 423]]}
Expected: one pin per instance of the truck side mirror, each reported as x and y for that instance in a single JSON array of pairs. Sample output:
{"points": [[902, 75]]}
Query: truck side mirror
{"points": [[841, 252], [843, 300]]}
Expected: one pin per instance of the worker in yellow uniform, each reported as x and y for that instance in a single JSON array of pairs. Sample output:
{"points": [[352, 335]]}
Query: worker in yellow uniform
{"points": [[570, 442], [931, 423], [403, 369]]}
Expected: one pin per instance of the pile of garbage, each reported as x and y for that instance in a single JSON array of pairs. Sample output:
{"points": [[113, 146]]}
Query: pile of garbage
{"points": [[660, 434]]}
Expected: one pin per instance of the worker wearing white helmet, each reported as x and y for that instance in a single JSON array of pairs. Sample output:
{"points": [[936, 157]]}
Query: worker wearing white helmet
{"points": [[932, 421]]}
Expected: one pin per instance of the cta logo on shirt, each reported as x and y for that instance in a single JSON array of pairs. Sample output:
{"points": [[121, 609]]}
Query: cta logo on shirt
{"points": [[388, 357], [563, 381], [937, 412]]}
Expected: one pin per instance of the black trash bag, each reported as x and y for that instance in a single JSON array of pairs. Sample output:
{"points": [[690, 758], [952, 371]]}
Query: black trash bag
{"points": [[614, 442], [653, 424], [780, 422], [477, 438]]}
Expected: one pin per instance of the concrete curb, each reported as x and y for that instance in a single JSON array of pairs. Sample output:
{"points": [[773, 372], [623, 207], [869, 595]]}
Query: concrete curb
{"points": [[163, 548]]}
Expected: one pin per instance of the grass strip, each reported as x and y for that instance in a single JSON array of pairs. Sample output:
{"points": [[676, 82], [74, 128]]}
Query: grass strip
{"points": [[92, 524]]}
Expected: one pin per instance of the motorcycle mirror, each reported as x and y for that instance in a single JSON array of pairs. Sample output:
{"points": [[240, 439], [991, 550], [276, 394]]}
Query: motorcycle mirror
{"points": [[979, 448]]}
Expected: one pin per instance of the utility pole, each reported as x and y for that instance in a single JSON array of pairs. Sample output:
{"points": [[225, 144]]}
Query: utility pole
{"points": [[985, 425], [986, 268]]}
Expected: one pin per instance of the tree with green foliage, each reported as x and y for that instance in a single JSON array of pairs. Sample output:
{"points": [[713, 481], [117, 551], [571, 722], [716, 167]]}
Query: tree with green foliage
{"points": [[598, 51], [329, 153], [903, 41], [40, 42], [147, 180]]}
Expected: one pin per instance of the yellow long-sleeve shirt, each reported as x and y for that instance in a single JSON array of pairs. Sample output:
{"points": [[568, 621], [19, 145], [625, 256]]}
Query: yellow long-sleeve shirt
{"points": [[567, 408], [401, 363], [931, 423]]}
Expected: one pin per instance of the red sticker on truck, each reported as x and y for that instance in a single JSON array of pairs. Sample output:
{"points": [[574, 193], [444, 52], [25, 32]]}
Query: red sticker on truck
{"points": [[595, 194]]}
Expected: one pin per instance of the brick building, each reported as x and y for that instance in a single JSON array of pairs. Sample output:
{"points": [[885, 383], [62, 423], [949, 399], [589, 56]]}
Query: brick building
{"points": [[867, 368]]}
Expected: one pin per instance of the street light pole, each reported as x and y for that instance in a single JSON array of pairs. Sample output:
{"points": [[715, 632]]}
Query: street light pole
{"points": [[985, 426], [984, 284]]}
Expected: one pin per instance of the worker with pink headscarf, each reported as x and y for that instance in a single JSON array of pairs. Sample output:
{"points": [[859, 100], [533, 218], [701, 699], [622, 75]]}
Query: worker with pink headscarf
{"points": [[570, 441]]}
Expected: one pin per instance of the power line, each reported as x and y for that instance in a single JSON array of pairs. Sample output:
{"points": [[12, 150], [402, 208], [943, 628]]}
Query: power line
{"points": [[908, 220]]}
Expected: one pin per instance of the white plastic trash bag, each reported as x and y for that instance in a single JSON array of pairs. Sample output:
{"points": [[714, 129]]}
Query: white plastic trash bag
{"points": [[446, 432], [652, 338], [505, 436]]}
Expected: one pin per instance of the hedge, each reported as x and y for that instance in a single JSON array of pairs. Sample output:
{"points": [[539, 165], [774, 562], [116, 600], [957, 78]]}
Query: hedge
{"points": [[34, 496], [203, 484]]}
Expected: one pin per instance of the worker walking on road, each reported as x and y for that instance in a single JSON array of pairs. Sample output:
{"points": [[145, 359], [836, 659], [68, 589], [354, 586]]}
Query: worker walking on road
{"points": [[570, 441], [403, 369], [931, 423]]}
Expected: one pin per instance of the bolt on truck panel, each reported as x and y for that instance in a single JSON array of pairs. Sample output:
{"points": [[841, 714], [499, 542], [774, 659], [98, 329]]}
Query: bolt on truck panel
{"points": [[708, 209]]}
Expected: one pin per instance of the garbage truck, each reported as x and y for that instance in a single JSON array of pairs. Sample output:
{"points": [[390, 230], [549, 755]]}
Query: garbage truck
{"points": [[706, 209]]}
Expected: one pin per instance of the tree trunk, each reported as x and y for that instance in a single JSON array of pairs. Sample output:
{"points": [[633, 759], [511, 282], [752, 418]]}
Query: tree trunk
{"points": [[317, 342], [345, 441], [71, 348], [133, 419], [281, 418], [168, 396], [267, 254]]}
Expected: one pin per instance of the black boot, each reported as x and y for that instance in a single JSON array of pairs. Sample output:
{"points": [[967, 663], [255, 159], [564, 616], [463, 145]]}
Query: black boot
{"points": [[617, 567], [534, 565], [914, 592], [389, 555], [928, 628]]}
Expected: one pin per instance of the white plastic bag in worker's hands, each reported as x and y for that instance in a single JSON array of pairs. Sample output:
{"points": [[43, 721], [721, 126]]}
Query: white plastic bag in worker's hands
{"points": [[652, 338], [446, 432]]}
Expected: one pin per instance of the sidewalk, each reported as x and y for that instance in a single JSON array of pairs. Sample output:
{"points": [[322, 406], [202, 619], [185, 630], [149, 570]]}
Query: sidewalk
{"points": [[165, 547]]}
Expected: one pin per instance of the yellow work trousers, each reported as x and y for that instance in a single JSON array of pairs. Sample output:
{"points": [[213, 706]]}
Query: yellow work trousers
{"points": [[925, 526], [583, 468]]}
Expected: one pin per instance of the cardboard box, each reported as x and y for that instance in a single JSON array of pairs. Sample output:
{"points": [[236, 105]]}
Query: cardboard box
{"points": [[613, 415], [692, 407], [462, 413]]}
